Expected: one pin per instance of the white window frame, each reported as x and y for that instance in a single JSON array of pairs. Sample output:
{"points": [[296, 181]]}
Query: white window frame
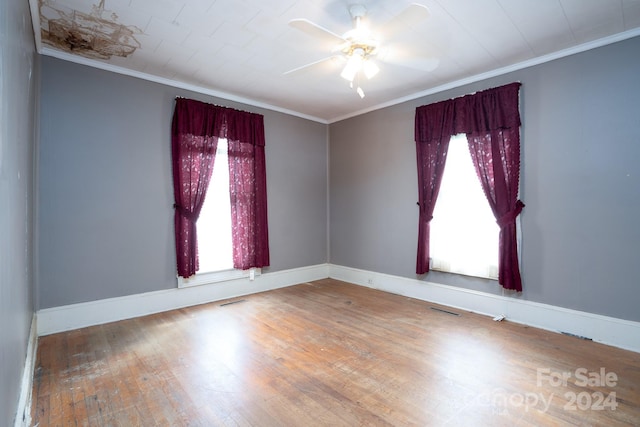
{"points": [[212, 277]]}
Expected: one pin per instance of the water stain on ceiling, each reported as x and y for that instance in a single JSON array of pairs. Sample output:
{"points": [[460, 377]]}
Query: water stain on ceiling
{"points": [[95, 35]]}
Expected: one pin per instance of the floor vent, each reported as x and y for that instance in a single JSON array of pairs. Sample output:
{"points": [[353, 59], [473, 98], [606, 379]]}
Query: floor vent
{"points": [[576, 336], [232, 302], [445, 311]]}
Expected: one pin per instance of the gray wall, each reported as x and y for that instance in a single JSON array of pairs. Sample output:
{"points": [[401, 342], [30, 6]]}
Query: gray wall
{"points": [[18, 77], [105, 191], [579, 181], [105, 221]]}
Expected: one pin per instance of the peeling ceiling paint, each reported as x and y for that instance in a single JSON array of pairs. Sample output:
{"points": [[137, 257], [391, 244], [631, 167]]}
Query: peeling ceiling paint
{"points": [[95, 35]]}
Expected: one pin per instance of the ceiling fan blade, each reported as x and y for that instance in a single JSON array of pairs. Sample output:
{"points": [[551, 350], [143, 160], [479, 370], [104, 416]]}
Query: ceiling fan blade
{"points": [[311, 64], [413, 14], [316, 31], [415, 63], [422, 64], [397, 54]]}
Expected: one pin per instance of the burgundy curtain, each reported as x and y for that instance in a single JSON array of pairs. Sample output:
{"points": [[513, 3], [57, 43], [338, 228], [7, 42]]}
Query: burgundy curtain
{"points": [[431, 160], [491, 120], [193, 145], [248, 190], [195, 131]]}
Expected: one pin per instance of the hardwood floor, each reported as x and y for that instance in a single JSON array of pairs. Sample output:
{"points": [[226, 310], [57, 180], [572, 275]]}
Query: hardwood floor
{"points": [[328, 353]]}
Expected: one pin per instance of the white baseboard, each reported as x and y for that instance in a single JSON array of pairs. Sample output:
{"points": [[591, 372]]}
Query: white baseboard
{"points": [[607, 330], [23, 412], [74, 316]]}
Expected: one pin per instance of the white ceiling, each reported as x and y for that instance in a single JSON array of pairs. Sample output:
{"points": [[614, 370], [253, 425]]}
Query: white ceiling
{"points": [[240, 49]]}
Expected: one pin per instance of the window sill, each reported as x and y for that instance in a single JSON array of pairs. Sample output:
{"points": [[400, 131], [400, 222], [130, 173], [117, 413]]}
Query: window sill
{"points": [[488, 272], [212, 277]]}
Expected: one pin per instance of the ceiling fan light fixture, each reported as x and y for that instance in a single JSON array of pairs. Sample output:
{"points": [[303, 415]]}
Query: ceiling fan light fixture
{"points": [[370, 68], [360, 45], [354, 64]]}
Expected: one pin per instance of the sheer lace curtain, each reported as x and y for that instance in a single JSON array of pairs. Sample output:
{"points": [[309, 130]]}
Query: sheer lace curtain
{"points": [[496, 157], [431, 160], [248, 192], [491, 120], [196, 128], [193, 149]]}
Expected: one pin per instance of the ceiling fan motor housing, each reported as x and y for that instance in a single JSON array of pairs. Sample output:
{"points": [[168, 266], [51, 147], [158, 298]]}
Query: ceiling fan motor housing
{"points": [[357, 11]]}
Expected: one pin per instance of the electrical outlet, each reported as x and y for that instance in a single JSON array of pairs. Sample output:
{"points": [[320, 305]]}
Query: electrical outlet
{"points": [[370, 281]]}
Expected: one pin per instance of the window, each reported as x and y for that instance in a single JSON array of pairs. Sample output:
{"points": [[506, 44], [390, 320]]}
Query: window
{"points": [[195, 131], [215, 249], [491, 120], [464, 232], [215, 245]]}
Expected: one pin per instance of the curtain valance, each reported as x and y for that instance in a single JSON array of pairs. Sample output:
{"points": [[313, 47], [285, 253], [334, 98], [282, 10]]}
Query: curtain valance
{"points": [[208, 120], [491, 109]]}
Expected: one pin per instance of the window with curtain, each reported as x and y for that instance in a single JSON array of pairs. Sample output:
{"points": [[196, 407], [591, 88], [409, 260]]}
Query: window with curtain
{"points": [[199, 134], [464, 233], [215, 246], [491, 121]]}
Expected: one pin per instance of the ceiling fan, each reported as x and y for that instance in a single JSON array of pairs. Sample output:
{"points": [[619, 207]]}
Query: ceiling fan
{"points": [[361, 47]]}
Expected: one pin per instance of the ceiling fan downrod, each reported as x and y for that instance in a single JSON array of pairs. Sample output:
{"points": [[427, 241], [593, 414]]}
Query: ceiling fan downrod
{"points": [[357, 12]]}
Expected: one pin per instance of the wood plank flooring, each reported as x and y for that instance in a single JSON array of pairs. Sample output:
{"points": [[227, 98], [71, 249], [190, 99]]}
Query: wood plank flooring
{"points": [[328, 353]]}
